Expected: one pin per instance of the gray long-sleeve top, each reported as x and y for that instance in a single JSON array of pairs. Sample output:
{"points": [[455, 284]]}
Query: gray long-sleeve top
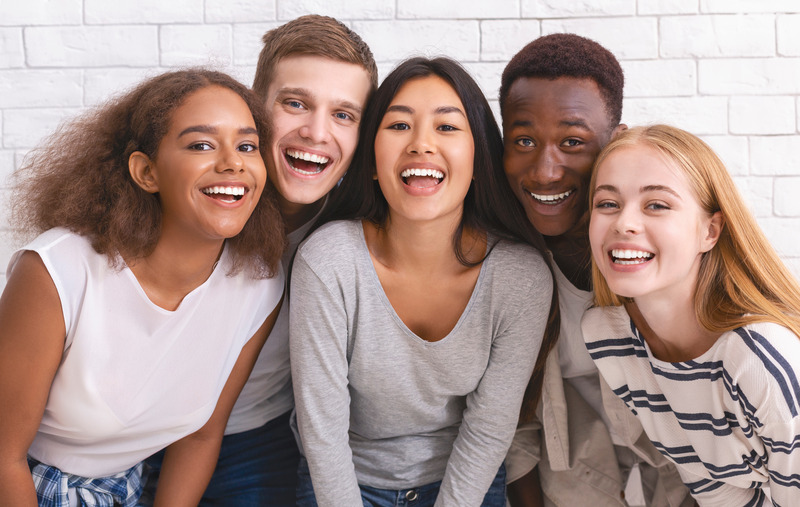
{"points": [[379, 406]]}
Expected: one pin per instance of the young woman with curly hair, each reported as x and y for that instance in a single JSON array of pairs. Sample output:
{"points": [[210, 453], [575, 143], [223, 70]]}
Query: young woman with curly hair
{"points": [[132, 321]]}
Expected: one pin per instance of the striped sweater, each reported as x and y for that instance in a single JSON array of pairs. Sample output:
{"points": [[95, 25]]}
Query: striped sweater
{"points": [[729, 419]]}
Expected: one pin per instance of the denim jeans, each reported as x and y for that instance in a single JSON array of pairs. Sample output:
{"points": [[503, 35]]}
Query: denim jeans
{"points": [[422, 496], [255, 468]]}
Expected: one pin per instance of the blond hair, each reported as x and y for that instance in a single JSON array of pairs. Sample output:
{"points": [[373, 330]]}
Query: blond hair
{"points": [[741, 280], [312, 35]]}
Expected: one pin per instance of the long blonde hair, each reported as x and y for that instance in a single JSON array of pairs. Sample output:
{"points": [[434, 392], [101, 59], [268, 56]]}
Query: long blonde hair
{"points": [[742, 280]]}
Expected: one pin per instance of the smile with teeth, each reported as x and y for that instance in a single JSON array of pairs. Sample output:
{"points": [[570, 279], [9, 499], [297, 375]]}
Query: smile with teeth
{"points": [[432, 173], [551, 199], [306, 163], [628, 257], [225, 194]]}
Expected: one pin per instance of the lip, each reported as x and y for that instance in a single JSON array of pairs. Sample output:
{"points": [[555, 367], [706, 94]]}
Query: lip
{"points": [[310, 156], [632, 253], [422, 191], [556, 207], [226, 188]]}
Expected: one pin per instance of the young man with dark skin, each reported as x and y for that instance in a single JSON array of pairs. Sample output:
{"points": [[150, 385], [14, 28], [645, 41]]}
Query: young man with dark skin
{"points": [[561, 102], [315, 76]]}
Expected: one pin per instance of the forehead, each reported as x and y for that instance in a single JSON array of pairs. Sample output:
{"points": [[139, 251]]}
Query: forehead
{"points": [[210, 105], [318, 75], [640, 166], [431, 90], [540, 101]]}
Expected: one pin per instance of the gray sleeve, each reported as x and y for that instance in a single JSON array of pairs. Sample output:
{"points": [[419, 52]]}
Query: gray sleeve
{"points": [[492, 409], [318, 352]]}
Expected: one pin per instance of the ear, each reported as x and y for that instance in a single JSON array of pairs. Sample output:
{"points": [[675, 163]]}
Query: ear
{"points": [[618, 129], [140, 168], [713, 231]]}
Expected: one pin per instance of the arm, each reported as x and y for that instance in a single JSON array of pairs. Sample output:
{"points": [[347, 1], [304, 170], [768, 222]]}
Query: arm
{"points": [[32, 338], [492, 409], [783, 450], [189, 463], [526, 491], [318, 352], [524, 488]]}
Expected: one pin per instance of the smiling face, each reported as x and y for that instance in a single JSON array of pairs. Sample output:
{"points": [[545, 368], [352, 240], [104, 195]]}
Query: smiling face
{"points": [[315, 104], [207, 171], [424, 151], [648, 231], [552, 133]]}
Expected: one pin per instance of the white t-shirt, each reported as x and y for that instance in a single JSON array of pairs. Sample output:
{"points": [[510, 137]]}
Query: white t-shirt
{"points": [[135, 377], [268, 392]]}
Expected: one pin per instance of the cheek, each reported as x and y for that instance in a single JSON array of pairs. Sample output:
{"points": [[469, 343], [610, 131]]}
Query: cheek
{"points": [[347, 141]]}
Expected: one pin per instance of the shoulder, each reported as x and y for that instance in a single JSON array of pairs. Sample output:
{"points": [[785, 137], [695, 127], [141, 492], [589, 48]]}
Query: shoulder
{"points": [[334, 240], [602, 322], [519, 263], [515, 279], [763, 359], [60, 249]]}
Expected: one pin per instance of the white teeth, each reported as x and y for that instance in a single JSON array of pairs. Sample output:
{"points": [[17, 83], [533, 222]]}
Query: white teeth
{"points": [[551, 198], [422, 172], [308, 157], [224, 190], [630, 256]]}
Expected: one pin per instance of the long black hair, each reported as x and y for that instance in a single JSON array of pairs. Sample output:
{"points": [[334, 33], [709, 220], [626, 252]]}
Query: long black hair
{"points": [[489, 206]]}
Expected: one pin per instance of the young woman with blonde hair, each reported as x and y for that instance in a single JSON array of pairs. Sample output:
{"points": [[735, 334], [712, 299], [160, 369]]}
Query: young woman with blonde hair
{"points": [[698, 320]]}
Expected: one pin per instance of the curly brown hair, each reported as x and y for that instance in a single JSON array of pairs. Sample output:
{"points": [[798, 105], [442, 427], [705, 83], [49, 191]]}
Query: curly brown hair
{"points": [[78, 178], [313, 35], [568, 55]]}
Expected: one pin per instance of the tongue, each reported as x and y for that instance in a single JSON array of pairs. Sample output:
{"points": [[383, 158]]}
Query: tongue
{"points": [[305, 165], [223, 197], [422, 181]]}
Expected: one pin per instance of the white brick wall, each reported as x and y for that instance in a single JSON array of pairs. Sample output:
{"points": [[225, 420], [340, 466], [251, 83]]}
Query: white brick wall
{"points": [[728, 70]]}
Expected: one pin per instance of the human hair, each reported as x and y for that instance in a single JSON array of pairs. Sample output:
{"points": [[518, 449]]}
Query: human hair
{"points": [[78, 178], [568, 55], [312, 35], [489, 206], [741, 280]]}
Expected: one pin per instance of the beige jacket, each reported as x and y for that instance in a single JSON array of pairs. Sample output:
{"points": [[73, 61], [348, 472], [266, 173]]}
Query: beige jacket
{"points": [[578, 462]]}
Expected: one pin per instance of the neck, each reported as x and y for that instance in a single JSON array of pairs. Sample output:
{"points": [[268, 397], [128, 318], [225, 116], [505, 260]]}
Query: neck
{"points": [[296, 215], [175, 267], [422, 247], [670, 328], [571, 254]]}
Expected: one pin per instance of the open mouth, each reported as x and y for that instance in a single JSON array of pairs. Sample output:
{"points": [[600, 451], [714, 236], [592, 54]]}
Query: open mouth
{"points": [[630, 257], [225, 194], [551, 200], [306, 163], [422, 178]]}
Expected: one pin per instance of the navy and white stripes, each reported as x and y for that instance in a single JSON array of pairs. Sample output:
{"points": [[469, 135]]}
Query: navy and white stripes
{"points": [[729, 419]]}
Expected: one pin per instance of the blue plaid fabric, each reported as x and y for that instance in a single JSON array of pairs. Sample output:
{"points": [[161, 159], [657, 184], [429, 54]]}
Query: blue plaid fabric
{"points": [[122, 489]]}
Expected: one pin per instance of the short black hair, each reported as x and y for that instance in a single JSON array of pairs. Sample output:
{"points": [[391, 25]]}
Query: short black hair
{"points": [[568, 55]]}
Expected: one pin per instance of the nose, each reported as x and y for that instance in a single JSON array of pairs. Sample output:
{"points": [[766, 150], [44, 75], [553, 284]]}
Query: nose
{"points": [[421, 142], [316, 128], [230, 160], [628, 221], [546, 166]]}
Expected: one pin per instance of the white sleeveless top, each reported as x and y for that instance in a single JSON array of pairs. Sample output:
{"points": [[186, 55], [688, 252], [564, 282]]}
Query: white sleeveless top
{"points": [[135, 377]]}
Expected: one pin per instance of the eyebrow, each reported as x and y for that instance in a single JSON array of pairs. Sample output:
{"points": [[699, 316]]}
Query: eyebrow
{"points": [[208, 129], [646, 188], [569, 122], [439, 110], [305, 93]]}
